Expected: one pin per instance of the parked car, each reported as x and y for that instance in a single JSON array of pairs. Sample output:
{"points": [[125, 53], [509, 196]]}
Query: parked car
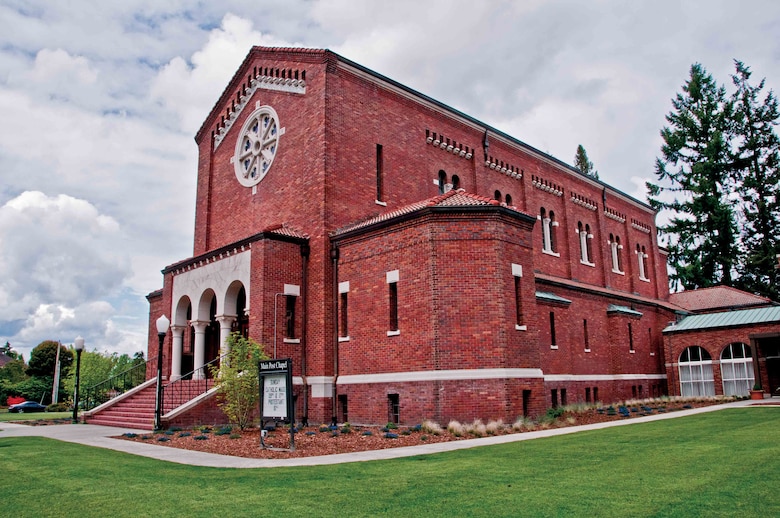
{"points": [[27, 406]]}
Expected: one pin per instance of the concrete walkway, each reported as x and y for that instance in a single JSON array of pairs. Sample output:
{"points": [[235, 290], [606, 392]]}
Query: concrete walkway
{"points": [[101, 437]]}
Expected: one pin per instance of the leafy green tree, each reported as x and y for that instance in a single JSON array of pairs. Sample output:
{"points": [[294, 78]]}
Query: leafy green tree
{"points": [[237, 383], [582, 163], [95, 368], [758, 160], [13, 371], [44, 357], [696, 170]]}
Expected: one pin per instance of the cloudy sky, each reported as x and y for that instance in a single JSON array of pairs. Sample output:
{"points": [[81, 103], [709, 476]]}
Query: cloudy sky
{"points": [[99, 103]]}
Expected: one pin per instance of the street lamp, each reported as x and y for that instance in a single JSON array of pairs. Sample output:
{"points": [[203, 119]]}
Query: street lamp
{"points": [[78, 344], [162, 329]]}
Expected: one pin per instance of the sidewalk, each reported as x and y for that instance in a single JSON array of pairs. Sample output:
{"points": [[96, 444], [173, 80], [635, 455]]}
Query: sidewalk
{"points": [[100, 436]]}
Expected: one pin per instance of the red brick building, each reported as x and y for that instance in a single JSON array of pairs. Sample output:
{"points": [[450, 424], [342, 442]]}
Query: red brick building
{"points": [[727, 342], [413, 261]]}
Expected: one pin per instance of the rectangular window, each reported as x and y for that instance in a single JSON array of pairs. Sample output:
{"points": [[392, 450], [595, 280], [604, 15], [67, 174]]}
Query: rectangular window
{"points": [[289, 316], [526, 403], [585, 337], [393, 408], [393, 306], [553, 342], [587, 394], [343, 408], [595, 394], [517, 274], [343, 311], [343, 319], [563, 397], [554, 398], [392, 284], [379, 174], [630, 338]]}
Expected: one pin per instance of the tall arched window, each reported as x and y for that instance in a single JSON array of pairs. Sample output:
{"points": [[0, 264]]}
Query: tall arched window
{"points": [[641, 255], [508, 200], [586, 254], [548, 231], [615, 248], [696, 372], [442, 181], [455, 182], [497, 195], [736, 368]]}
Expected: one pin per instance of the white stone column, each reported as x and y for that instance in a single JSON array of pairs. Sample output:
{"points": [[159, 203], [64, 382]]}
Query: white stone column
{"points": [[225, 327], [177, 333], [200, 348]]}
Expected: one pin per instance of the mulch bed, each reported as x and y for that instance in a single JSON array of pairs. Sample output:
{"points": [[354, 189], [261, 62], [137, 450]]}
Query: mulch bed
{"points": [[323, 440]]}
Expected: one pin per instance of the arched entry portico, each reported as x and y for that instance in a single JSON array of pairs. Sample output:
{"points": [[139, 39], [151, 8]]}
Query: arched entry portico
{"points": [[210, 302]]}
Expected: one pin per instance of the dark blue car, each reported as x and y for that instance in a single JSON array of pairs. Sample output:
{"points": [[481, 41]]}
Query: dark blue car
{"points": [[27, 406]]}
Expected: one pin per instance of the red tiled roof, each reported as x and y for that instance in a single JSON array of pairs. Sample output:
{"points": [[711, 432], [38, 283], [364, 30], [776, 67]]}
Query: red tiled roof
{"points": [[453, 198], [717, 297], [284, 230]]}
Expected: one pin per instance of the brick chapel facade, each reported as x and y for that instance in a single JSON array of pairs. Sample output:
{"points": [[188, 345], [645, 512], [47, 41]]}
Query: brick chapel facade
{"points": [[412, 261]]}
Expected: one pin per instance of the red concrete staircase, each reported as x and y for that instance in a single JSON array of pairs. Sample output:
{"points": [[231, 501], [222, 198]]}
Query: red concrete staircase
{"points": [[136, 410]]}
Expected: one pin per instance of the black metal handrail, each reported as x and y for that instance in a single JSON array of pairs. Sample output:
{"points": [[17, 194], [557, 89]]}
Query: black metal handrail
{"points": [[117, 384], [188, 387]]}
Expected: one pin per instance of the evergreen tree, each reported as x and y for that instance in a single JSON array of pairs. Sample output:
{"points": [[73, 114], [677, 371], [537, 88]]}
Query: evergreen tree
{"points": [[582, 163], [696, 169], [758, 159]]}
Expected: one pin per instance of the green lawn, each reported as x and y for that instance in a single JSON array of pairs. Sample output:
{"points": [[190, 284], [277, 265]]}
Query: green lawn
{"points": [[722, 463], [33, 416]]}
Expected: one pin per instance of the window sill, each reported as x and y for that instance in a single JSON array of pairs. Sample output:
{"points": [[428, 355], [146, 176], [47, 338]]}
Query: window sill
{"points": [[644, 279], [588, 263], [652, 353], [554, 347], [550, 252], [343, 339], [587, 350], [632, 351], [382, 203], [394, 333], [521, 328], [618, 272], [291, 340]]}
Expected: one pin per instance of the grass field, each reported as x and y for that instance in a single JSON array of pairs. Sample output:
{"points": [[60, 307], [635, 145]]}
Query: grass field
{"points": [[722, 463], [33, 416]]}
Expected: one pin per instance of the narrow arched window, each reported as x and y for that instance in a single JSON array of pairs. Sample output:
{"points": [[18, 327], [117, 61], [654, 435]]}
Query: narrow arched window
{"points": [[508, 200], [455, 182], [442, 181], [497, 195]]}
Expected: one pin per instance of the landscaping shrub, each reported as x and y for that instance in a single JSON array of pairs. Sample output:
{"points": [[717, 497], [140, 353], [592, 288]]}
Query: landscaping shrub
{"points": [[57, 407]]}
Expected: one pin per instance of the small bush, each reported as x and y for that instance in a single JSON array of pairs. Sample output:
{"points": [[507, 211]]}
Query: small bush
{"points": [[311, 433], [235, 436], [390, 435], [523, 424], [146, 437], [456, 429], [175, 429], [57, 407], [163, 438], [130, 435], [494, 427], [324, 428], [368, 433], [201, 437], [431, 427], [391, 426], [184, 434]]}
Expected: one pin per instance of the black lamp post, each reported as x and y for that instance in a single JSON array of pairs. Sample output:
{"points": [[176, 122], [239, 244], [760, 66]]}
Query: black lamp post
{"points": [[162, 329], [78, 344]]}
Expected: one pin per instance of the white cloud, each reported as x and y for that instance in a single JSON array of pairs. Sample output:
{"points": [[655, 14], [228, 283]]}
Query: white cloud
{"points": [[188, 89]]}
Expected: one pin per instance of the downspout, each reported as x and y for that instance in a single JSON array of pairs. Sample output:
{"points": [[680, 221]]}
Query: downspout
{"points": [[334, 256], [304, 315]]}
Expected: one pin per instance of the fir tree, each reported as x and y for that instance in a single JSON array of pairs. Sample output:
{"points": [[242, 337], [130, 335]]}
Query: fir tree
{"points": [[696, 171], [582, 163], [758, 159]]}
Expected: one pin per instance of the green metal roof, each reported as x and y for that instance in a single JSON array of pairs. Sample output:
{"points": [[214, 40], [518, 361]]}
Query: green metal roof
{"points": [[625, 310], [551, 297], [726, 319]]}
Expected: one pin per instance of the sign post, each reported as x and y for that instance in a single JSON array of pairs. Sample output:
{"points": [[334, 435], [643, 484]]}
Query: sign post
{"points": [[276, 396]]}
